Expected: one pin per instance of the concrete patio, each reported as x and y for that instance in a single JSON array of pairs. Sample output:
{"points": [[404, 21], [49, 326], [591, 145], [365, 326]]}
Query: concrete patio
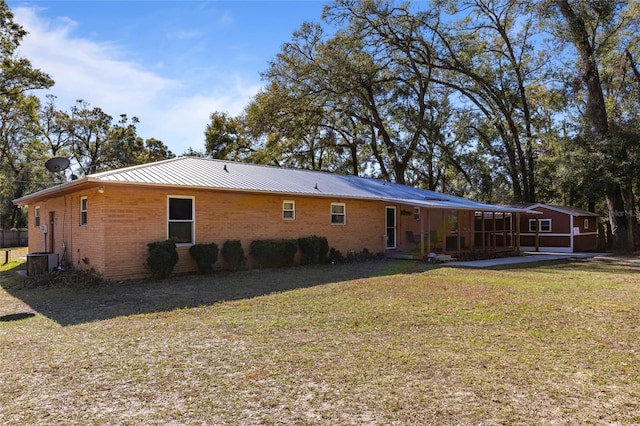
{"points": [[526, 257]]}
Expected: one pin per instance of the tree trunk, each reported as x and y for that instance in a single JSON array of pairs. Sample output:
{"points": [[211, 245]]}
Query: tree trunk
{"points": [[597, 115], [617, 219], [630, 215]]}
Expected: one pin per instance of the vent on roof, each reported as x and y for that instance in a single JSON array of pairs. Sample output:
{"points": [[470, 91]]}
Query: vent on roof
{"points": [[225, 168]]}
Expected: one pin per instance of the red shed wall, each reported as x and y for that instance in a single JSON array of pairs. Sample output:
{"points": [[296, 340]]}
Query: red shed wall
{"points": [[586, 238]]}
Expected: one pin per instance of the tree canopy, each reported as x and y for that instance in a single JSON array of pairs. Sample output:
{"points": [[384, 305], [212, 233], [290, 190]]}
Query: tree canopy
{"points": [[31, 131], [497, 100], [500, 101]]}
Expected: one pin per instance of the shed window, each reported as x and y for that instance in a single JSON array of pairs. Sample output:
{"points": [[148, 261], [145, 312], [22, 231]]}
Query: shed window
{"points": [[586, 224], [180, 220], [416, 213], [36, 215], [338, 214], [545, 225], [288, 210], [83, 211]]}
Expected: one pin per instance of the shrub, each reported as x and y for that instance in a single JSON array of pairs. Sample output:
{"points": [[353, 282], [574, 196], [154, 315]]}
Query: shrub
{"points": [[273, 253], [205, 256], [233, 254], [364, 256], [162, 258], [314, 249], [335, 256]]}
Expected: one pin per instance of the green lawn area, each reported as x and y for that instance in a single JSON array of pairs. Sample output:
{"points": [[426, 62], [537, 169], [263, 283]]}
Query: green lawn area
{"points": [[389, 342]]}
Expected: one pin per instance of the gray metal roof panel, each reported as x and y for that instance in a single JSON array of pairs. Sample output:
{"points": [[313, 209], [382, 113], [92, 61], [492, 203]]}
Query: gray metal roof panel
{"points": [[225, 175], [218, 174]]}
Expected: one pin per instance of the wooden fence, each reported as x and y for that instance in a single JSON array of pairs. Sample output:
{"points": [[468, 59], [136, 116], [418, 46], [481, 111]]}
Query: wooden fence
{"points": [[12, 238]]}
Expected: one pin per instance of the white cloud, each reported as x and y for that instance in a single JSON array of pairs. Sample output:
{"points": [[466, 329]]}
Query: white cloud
{"points": [[184, 120], [169, 109]]}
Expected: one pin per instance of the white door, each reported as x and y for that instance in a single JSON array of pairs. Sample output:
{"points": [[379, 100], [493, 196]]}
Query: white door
{"points": [[391, 227]]}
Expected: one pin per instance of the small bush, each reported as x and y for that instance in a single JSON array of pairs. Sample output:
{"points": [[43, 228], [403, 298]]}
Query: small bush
{"points": [[335, 256], [273, 253], [233, 254], [205, 255], [162, 258], [314, 249]]}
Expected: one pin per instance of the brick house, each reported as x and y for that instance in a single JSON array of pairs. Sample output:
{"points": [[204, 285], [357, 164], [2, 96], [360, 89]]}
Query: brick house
{"points": [[105, 220]]}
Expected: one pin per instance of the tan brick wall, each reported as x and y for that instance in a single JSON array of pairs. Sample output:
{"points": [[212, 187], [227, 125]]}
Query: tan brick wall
{"points": [[123, 219], [82, 242]]}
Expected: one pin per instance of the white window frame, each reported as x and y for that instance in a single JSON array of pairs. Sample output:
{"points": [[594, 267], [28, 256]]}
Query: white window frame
{"points": [[84, 210], [36, 216], [544, 223], [192, 221], [586, 224], [416, 213], [336, 215], [291, 210]]}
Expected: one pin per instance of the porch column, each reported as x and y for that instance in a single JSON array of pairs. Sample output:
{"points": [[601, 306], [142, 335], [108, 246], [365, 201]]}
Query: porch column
{"points": [[504, 230], [518, 232], [494, 244], [511, 241], [444, 237], [483, 234], [459, 231], [421, 234], [428, 230], [537, 234]]}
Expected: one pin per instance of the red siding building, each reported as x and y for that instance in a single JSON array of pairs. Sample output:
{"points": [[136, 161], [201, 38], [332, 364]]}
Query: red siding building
{"points": [[558, 229]]}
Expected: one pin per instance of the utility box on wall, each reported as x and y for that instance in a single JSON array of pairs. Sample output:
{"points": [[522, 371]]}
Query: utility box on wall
{"points": [[41, 263]]}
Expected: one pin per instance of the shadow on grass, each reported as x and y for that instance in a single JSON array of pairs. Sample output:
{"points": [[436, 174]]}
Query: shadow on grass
{"points": [[609, 264], [72, 305], [17, 317]]}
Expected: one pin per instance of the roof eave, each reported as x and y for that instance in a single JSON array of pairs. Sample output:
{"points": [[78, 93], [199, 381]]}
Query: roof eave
{"points": [[52, 191]]}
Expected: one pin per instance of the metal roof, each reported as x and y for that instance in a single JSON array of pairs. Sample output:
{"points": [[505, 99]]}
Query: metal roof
{"points": [[194, 172], [570, 210]]}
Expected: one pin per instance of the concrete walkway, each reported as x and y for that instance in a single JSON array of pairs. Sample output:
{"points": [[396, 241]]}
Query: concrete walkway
{"points": [[526, 257]]}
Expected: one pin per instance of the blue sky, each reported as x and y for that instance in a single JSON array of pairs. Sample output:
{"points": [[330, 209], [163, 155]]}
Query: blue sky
{"points": [[169, 63]]}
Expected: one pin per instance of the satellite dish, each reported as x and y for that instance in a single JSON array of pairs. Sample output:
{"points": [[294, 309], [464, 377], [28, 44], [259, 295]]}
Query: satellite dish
{"points": [[57, 164]]}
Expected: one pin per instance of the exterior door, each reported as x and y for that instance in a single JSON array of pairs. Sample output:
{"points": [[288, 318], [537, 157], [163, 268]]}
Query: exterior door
{"points": [[391, 227]]}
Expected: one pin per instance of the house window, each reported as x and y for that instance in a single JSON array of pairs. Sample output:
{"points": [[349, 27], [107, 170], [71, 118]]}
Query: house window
{"points": [[83, 211], [288, 210], [338, 214], [545, 225], [416, 213], [36, 214], [180, 214], [586, 224]]}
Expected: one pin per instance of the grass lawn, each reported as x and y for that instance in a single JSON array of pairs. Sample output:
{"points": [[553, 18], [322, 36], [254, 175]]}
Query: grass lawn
{"points": [[389, 342]]}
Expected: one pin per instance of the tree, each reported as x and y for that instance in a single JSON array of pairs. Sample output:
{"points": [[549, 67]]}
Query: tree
{"points": [[100, 144], [155, 150], [597, 30], [361, 97], [226, 139], [301, 115], [485, 51], [22, 168], [17, 115]]}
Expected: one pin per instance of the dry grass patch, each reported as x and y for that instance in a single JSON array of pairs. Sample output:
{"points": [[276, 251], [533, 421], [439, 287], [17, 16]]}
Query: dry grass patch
{"points": [[376, 343]]}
